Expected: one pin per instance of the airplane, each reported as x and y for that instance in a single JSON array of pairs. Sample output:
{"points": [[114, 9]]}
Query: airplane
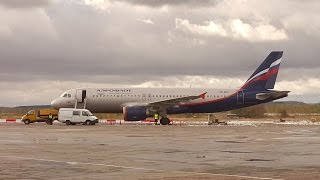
{"points": [[137, 104]]}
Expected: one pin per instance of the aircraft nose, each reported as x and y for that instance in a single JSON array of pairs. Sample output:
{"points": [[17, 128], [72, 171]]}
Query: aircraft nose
{"points": [[55, 104]]}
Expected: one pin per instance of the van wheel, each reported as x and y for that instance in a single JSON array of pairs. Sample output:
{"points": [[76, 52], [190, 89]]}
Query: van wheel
{"points": [[88, 122], [68, 123], [27, 121], [93, 123]]}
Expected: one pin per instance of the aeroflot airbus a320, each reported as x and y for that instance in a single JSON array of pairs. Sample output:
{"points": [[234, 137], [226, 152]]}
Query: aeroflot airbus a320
{"points": [[139, 103]]}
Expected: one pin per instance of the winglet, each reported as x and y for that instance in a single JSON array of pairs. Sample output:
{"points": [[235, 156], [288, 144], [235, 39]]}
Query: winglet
{"points": [[203, 95]]}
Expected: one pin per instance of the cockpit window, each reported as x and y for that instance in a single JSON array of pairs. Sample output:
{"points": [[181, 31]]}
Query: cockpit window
{"points": [[67, 94]]}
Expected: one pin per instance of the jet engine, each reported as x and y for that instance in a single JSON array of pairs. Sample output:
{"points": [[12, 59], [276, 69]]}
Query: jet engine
{"points": [[135, 113]]}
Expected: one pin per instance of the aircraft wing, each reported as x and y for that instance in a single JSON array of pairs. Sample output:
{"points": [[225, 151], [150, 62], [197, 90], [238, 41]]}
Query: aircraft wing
{"points": [[176, 101], [167, 103]]}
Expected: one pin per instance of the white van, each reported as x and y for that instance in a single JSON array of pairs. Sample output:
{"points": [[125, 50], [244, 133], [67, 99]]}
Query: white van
{"points": [[76, 116]]}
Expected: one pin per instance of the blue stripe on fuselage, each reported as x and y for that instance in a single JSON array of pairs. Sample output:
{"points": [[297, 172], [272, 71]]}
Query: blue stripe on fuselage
{"points": [[219, 105]]}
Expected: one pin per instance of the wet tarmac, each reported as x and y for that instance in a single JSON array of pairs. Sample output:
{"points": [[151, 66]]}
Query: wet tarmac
{"points": [[268, 151]]}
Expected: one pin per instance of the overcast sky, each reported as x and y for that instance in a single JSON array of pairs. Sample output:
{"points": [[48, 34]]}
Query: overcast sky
{"points": [[49, 46]]}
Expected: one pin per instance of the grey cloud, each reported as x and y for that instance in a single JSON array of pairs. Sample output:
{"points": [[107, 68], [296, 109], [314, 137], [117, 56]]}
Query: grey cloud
{"points": [[91, 46], [159, 3], [24, 3]]}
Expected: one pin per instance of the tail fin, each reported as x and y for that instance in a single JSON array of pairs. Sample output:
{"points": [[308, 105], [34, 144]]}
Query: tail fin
{"points": [[266, 74]]}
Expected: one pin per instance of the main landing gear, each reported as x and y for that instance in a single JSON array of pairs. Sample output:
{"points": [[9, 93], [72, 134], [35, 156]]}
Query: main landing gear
{"points": [[164, 121]]}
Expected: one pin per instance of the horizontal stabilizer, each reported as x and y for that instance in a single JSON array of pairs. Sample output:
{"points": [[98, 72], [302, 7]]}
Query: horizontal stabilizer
{"points": [[272, 94]]}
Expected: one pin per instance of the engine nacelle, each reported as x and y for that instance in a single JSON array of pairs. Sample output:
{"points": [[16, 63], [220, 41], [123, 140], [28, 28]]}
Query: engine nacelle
{"points": [[136, 113]]}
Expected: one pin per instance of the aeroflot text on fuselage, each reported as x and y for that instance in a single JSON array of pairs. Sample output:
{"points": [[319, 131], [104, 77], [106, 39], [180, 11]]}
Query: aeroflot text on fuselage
{"points": [[114, 90]]}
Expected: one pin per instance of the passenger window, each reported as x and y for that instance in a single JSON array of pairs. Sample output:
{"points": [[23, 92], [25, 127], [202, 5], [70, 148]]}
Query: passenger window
{"points": [[69, 95], [76, 113]]}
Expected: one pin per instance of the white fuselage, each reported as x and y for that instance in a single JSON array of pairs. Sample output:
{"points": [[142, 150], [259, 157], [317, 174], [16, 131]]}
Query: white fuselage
{"points": [[112, 100]]}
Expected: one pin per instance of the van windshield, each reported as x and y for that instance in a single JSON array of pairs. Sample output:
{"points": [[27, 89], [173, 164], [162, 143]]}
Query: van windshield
{"points": [[89, 113], [30, 112], [86, 113]]}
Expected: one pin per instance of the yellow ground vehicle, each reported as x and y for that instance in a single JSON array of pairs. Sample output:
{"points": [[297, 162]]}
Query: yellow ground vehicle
{"points": [[41, 115]]}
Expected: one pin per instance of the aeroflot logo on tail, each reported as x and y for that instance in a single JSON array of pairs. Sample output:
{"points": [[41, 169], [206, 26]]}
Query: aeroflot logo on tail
{"points": [[114, 90]]}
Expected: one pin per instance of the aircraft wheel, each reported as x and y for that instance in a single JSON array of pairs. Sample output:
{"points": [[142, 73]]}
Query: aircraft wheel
{"points": [[68, 123], [164, 121], [49, 122], [27, 121]]}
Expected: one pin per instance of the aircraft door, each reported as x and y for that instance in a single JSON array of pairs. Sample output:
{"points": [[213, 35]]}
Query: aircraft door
{"points": [[240, 97], [149, 97], [144, 97], [81, 95]]}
